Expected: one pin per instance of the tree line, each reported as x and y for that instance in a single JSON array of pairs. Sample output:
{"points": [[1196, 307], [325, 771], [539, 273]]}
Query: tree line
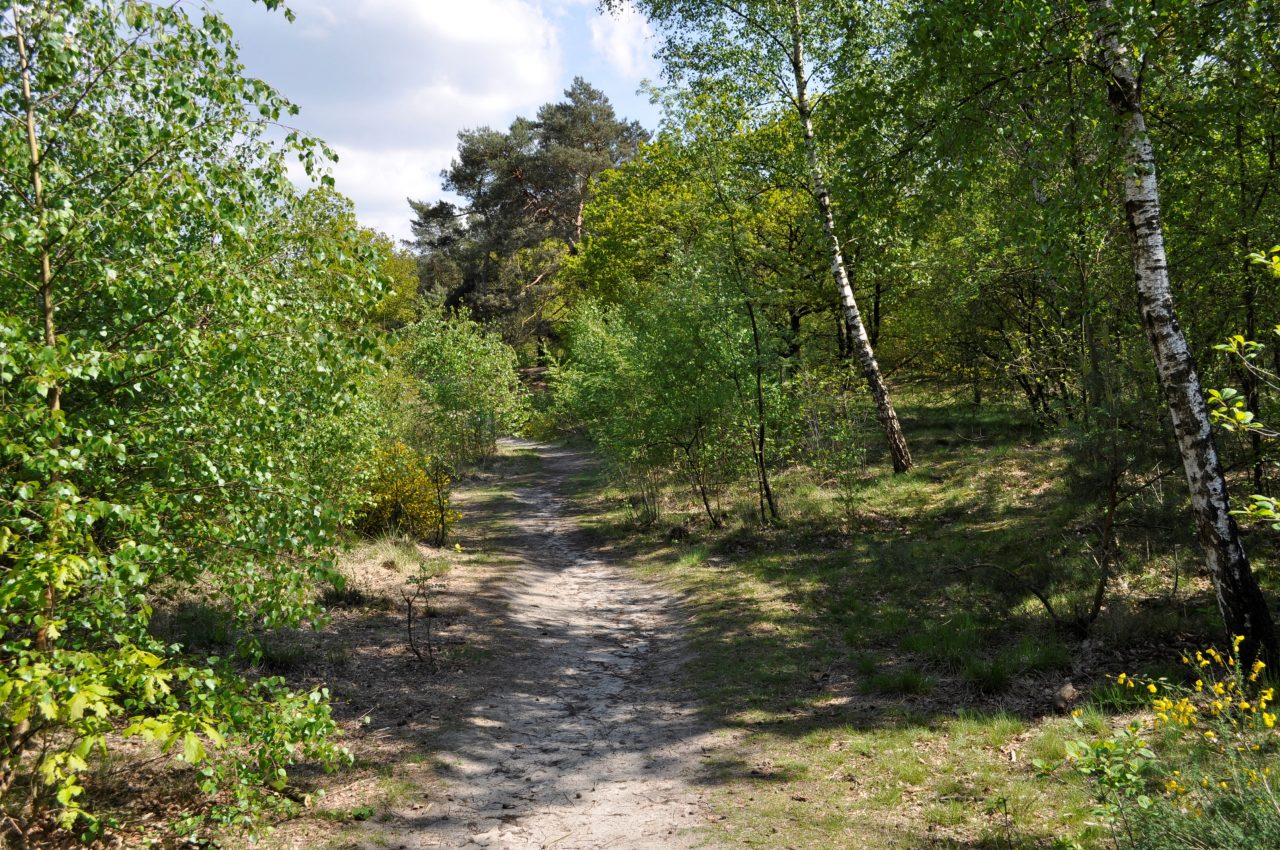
{"points": [[998, 181], [971, 194], [208, 376]]}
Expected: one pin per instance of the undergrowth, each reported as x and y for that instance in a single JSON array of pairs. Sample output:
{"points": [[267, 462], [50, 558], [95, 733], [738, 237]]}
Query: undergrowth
{"points": [[901, 648]]}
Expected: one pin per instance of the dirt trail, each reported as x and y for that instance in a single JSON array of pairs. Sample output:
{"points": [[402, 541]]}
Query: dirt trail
{"points": [[585, 741]]}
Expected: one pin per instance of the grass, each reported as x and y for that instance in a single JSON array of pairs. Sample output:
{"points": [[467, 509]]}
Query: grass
{"points": [[902, 682], [896, 650], [951, 643], [394, 552], [281, 652], [352, 815], [344, 596]]}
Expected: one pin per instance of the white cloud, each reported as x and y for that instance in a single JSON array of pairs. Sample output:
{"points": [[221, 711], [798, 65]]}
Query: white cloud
{"points": [[625, 40], [380, 181], [389, 83]]}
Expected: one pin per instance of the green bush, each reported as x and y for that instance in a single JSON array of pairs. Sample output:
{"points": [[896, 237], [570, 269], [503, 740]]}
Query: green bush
{"points": [[409, 492], [466, 392], [1200, 771], [168, 402]]}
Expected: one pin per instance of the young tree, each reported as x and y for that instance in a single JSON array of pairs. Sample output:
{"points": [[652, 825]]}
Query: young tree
{"points": [[466, 391], [763, 50], [179, 329]]}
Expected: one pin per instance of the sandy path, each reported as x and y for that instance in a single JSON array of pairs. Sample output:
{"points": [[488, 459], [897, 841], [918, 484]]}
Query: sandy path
{"points": [[585, 741]]}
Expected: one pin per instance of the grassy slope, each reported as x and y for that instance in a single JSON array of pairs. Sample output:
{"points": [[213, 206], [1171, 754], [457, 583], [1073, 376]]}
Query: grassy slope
{"points": [[883, 681]]}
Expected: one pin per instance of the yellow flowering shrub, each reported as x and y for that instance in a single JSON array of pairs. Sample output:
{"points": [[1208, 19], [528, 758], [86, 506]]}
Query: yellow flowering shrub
{"points": [[1207, 779], [409, 493]]}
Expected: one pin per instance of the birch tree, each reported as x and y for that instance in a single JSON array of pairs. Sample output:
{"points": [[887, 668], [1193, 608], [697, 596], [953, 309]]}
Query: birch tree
{"points": [[765, 51], [178, 335], [1005, 51], [1244, 609]]}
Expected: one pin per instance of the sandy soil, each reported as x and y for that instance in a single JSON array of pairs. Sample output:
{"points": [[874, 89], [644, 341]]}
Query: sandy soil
{"points": [[579, 736]]}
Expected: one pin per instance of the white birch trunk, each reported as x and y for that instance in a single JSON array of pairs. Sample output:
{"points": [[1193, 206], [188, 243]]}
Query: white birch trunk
{"points": [[1244, 609], [857, 332]]}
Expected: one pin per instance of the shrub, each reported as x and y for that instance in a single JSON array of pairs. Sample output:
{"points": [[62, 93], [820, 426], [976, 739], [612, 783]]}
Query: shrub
{"points": [[410, 494], [1200, 770], [466, 390], [160, 412]]}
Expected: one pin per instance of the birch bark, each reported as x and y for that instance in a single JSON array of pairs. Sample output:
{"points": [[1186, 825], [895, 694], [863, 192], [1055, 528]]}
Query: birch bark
{"points": [[856, 331], [1244, 609]]}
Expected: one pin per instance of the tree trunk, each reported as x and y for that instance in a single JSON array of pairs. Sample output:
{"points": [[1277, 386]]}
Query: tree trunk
{"points": [[54, 397], [762, 468], [875, 313], [1249, 382], [857, 332], [1244, 609]]}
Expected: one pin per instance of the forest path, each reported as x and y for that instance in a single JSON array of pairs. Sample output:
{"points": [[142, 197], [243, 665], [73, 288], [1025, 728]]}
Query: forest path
{"points": [[584, 740]]}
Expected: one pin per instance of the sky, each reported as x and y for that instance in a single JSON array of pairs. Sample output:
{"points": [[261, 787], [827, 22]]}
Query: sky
{"points": [[389, 83]]}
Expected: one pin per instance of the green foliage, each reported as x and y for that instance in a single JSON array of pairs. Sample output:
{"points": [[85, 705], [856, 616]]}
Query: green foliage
{"points": [[410, 494], [1237, 412], [1119, 764], [525, 190], [829, 432], [401, 304], [178, 356], [464, 389], [655, 388], [674, 364], [1206, 779]]}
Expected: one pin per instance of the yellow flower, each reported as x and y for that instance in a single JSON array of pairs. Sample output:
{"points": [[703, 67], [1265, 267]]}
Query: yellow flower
{"points": [[1151, 686], [1269, 719], [1218, 689]]}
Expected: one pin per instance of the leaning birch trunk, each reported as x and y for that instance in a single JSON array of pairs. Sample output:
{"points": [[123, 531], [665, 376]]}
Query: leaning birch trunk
{"points": [[1244, 609], [856, 331]]}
